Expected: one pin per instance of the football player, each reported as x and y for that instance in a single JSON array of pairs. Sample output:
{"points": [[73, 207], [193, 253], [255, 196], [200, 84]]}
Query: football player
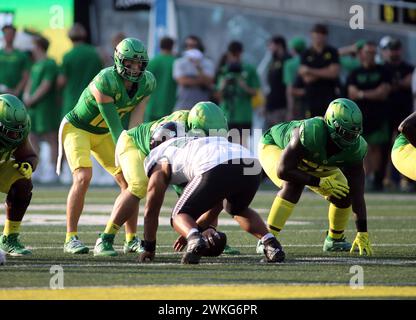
{"points": [[216, 171], [132, 148], [326, 155], [103, 110], [403, 153], [17, 162]]}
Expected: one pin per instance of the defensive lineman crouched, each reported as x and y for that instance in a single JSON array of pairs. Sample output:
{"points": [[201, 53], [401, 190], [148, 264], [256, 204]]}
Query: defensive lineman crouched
{"points": [[132, 148], [326, 155], [403, 154], [17, 161], [215, 171]]}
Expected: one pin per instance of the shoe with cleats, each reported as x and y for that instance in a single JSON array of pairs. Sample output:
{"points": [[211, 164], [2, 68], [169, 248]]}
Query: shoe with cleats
{"points": [[196, 245]]}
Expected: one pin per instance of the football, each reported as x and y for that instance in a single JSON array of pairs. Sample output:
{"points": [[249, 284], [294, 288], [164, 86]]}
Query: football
{"points": [[2, 258]]}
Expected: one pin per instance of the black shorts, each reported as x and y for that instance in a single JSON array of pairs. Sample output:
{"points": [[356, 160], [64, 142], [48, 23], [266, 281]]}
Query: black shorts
{"points": [[228, 181]]}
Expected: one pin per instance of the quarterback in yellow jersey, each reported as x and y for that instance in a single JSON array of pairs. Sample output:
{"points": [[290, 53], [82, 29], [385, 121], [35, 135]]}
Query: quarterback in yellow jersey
{"points": [[403, 154], [17, 162], [94, 126]]}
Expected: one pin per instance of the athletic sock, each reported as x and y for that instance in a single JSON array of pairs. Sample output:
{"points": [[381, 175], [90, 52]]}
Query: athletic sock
{"points": [[338, 220], [279, 213]]}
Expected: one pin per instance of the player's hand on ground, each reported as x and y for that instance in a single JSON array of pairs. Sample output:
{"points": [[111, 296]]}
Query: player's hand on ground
{"points": [[180, 243], [24, 168], [362, 242], [146, 256], [335, 188]]}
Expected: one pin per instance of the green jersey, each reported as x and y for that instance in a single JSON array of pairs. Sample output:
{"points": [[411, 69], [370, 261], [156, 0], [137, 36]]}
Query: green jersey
{"points": [[314, 134], [44, 113], [12, 66], [236, 102], [163, 100], [79, 66], [89, 116], [141, 134], [401, 140], [290, 70]]}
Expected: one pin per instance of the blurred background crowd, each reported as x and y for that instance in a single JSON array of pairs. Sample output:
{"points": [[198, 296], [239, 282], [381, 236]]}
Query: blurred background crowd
{"points": [[263, 64]]}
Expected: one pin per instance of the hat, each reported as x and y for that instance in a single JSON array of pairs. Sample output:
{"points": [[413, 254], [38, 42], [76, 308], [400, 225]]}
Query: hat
{"points": [[320, 28], [359, 44], [394, 44], [384, 42], [193, 54], [297, 43]]}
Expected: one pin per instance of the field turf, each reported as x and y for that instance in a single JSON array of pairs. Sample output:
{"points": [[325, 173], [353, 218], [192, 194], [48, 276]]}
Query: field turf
{"points": [[307, 272]]}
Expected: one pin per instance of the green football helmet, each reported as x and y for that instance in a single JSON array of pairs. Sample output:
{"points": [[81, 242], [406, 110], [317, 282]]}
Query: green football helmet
{"points": [[134, 50], [345, 122], [14, 121], [206, 115]]}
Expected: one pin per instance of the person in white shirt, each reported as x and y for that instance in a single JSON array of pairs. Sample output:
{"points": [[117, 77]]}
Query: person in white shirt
{"points": [[218, 173]]}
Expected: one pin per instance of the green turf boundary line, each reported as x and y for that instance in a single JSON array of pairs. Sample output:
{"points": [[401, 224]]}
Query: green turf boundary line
{"points": [[223, 292]]}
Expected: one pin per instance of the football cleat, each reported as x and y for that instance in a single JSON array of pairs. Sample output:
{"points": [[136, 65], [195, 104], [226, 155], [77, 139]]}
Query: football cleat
{"points": [[273, 250], [75, 246], [336, 245], [11, 245], [195, 248], [104, 246], [133, 246]]}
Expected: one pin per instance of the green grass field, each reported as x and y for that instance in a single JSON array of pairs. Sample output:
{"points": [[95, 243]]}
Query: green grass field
{"points": [[307, 271]]}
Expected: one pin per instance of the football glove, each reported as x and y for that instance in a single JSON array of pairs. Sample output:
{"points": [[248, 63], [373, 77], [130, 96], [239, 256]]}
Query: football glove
{"points": [[334, 187], [24, 168], [363, 243]]}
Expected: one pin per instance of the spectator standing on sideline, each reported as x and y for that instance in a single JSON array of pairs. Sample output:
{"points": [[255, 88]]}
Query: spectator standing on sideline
{"points": [[237, 83], [40, 99], [194, 75], [320, 71], [370, 86], [290, 70], [79, 66], [400, 97], [276, 102], [162, 100], [14, 65]]}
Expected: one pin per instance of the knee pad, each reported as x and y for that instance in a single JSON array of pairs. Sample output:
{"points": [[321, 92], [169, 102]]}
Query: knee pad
{"points": [[216, 242]]}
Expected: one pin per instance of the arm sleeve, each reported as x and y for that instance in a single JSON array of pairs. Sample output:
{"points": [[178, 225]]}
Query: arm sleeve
{"points": [[111, 117]]}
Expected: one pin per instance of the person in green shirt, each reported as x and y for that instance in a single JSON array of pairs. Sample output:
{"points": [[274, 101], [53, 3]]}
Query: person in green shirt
{"points": [[326, 155], [14, 65], [40, 99], [290, 71], [79, 66], [403, 154], [133, 147], [237, 83], [163, 100], [94, 126]]}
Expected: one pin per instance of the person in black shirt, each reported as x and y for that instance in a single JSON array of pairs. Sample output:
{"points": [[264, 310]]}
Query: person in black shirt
{"points": [[400, 101], [276, 104], [320, 71], [369, 86], [401, 91]]}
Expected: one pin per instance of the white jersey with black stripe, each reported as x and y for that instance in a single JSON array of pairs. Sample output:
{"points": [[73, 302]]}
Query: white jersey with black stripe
{"points": [[191, 156]]}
